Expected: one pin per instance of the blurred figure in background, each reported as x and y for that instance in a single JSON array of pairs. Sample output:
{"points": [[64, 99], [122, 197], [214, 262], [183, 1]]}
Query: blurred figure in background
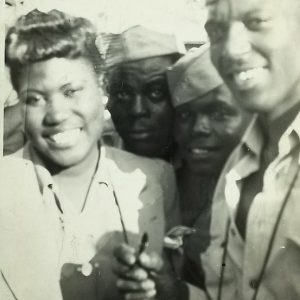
{"points": [[139, 98], [209, 124], [13, 133]]}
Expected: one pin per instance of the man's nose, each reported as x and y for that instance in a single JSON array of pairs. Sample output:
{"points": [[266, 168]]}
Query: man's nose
{"points": [[237, 45], [202, 125], [139, 106], [57, 111]]}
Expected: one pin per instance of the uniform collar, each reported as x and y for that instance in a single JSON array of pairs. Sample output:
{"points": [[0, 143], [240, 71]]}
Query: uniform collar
{"points": [[291, 138], [253, 139]]}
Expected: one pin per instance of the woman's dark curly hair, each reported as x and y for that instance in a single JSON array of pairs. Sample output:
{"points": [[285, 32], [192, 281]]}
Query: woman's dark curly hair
{"points": [[39, 36]]}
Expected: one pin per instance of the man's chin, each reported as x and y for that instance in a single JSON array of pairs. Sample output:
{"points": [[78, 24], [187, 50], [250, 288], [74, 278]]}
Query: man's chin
{"points": [[146, 148], [202, 169]]}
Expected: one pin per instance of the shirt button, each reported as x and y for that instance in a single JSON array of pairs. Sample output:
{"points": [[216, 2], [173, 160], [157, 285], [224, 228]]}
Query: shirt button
{"points": [[86, 269], [253, 283]]}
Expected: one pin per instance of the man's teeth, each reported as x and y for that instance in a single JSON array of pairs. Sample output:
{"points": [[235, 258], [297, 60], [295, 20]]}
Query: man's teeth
{"points": [[66, 137], [247, 75], [198, 151]]}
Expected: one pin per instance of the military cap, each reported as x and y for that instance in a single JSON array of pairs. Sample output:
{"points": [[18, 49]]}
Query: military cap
{"points": [[136, 43], [192, 76]]}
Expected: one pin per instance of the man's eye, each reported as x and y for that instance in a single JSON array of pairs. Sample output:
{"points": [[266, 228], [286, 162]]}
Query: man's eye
{"points": [[70, 93], [122, 95], [257, 23], [183, 116], [156, 93], [219, 115]]}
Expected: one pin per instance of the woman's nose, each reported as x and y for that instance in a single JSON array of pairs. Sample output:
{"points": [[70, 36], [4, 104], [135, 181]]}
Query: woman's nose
{"points": [[57, 111]]}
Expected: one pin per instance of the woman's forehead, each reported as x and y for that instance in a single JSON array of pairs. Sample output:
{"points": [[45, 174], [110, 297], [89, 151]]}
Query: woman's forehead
{"points": [[55, 72]]}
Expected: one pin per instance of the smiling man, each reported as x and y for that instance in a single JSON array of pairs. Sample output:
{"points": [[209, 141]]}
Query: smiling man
{"points": [[254, 250], [209, 124], [139, 99]]}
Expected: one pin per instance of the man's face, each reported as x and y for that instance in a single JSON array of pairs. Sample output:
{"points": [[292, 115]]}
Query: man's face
{"points": [[255, 46], [207, 129], [139, 103], [63, 109]]}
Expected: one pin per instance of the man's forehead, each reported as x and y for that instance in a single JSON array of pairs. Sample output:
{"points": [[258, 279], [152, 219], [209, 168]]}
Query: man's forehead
{"points": [[146, 68], [234, 8], [225, 10]]}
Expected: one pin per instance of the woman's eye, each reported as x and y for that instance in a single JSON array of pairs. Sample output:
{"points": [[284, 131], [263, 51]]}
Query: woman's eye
{"points": [[32, 100]]}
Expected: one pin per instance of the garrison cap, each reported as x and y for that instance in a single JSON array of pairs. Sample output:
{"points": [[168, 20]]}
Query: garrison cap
{"points": [[192, 76], [137, 43]]}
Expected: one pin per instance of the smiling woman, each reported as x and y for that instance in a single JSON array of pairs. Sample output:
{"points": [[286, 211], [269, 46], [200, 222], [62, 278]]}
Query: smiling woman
{"points": [[64, 111], [71, 207]]}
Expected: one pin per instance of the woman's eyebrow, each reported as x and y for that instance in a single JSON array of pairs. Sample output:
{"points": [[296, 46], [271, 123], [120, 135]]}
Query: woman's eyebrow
{"points": [[73, 83]]}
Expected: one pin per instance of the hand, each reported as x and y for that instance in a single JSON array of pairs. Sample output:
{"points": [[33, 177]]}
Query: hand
{"points": [[137, 274], [146, 277]]}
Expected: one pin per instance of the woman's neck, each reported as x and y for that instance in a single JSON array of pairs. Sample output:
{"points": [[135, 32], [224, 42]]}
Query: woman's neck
{"points": [[78, 170], [75, 182]]}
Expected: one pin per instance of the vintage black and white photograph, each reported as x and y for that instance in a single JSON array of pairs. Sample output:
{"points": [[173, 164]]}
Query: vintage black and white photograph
{"points": [[150, 150]]}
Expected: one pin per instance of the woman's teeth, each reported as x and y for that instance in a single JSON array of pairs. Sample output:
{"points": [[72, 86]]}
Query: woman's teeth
{"points": [[66, 138]]}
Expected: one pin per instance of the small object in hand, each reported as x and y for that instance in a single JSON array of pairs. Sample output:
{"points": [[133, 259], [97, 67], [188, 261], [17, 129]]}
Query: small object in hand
{"points": [[143, 246], [144, 243], [174, 237]]}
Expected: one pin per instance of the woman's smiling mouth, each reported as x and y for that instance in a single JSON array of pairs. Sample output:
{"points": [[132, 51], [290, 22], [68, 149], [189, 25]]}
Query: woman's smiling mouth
{"points": [[65, 139]]}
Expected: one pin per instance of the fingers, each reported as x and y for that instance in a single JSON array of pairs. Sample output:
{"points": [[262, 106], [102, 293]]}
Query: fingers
{"points": [[125, 255], [137, 290], [136, 275], [151, 262]]}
